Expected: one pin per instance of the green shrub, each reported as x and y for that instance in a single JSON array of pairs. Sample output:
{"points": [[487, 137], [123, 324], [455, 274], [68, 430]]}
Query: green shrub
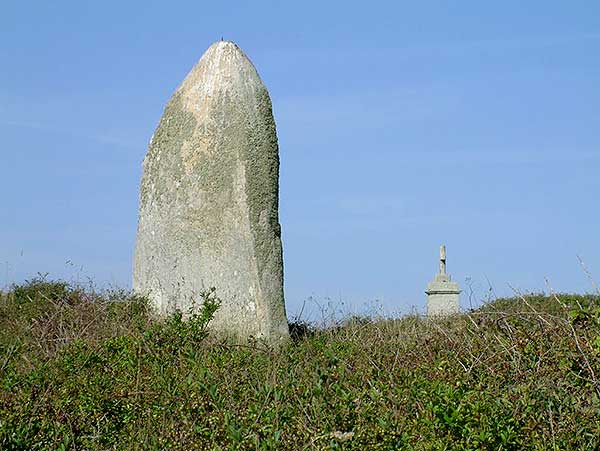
{"points": [[518, 374]]}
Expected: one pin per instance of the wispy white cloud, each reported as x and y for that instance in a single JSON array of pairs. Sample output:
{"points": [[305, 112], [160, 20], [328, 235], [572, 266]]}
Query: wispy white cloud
{"points": [[518, 42], [49, 128], [387, 50]]}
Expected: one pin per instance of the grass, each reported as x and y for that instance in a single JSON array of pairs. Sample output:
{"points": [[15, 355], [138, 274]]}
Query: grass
{"points": [[83, 370]]}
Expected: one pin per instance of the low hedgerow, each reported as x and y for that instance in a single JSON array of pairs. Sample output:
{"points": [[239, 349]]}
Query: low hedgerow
{"points": [[82, 370]]}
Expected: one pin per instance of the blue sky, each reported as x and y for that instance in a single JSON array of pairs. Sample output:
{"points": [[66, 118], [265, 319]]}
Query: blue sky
{"points": [[402, 125]]}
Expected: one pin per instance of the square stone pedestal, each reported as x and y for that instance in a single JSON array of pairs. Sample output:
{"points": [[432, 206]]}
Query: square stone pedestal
{"points": [[442, 296]]}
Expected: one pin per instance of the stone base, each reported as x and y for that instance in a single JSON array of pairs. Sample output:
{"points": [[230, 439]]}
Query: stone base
{"points": [[442, 296]]}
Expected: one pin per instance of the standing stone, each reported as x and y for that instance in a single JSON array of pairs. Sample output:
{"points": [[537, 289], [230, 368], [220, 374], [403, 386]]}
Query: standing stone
{"points": [[442, 293], [209, 200]]}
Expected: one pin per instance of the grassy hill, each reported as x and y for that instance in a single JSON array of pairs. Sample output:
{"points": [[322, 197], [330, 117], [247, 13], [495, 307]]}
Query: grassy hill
{"points": [[92, 371]]}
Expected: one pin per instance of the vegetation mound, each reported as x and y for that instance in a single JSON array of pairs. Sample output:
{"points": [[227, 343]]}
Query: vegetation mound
{"points": [[83, 370]]}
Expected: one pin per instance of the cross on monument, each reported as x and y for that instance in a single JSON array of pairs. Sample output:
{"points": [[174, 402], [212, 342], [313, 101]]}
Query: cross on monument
{"points": [[442, 259]]}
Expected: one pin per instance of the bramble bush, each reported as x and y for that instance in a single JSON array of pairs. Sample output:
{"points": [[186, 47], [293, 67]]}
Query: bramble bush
{"points": [[85, 370]]}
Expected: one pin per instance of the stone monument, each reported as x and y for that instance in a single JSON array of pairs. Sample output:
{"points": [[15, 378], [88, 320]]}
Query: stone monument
{"points": [[209, 200], [442, 293]]}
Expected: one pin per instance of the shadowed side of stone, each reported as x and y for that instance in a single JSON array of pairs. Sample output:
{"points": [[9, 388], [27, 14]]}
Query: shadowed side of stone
{"points": [[209, 200]]}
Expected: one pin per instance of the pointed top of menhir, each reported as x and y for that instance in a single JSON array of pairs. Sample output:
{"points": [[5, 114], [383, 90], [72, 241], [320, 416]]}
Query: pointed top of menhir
{"points": [[227, 50], [224, 67]]}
